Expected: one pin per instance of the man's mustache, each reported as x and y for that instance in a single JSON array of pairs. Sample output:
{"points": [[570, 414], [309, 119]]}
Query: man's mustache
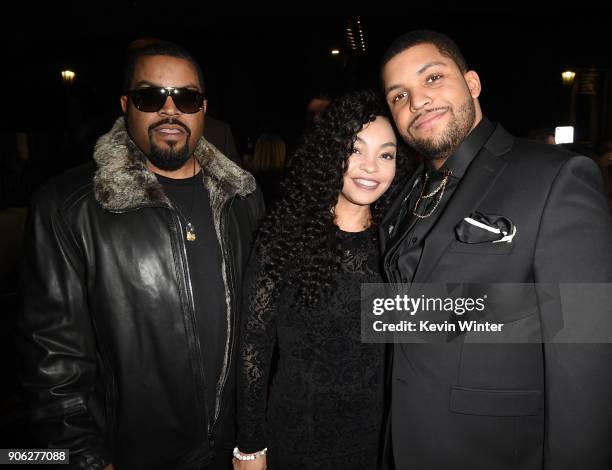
{"points": [[171, 122], [445, 108]]}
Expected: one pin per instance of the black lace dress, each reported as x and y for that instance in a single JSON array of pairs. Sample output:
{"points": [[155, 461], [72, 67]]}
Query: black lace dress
{"points": [[323, 406]]}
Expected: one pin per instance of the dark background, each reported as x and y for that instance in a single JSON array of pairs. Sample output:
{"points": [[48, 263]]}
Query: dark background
{"points": [[260, 69]]}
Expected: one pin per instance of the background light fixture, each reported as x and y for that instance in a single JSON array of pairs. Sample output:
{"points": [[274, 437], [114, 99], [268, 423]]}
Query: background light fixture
{"points": [[68, 76]]}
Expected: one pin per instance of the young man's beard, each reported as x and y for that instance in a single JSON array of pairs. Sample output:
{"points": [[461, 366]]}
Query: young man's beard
{"points": [[457, 130], [169, 159]]}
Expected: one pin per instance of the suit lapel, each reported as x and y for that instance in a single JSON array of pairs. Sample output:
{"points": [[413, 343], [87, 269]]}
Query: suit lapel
{"points": [[391, 219], [474, 186]]}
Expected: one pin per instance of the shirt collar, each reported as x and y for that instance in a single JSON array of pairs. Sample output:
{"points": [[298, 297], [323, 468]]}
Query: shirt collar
{"points": [[459, 161]]}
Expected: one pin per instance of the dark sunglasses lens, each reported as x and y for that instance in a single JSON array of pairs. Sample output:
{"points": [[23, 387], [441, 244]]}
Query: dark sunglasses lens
{"points": [[149, 100], [152, 99], [188, 101]]}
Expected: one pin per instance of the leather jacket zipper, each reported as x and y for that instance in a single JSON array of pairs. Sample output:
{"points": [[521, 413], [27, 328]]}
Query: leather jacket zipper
{"points": [[194, 340], [227, 256]]}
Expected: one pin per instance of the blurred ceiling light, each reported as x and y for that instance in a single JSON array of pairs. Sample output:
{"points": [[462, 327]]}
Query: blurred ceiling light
{"points": [[68, 76], [335, 51], [568, 77]]}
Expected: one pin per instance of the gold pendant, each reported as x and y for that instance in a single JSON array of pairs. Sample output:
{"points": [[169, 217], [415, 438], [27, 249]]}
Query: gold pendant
{"points": [[191, 235]]}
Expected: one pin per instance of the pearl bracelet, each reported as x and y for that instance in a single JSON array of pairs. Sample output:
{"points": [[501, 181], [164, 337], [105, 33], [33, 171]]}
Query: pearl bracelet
{"points": [[240, 456]]}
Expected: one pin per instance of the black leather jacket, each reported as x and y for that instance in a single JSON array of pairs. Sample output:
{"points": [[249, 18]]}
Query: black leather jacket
{"points": [[112, 358]]}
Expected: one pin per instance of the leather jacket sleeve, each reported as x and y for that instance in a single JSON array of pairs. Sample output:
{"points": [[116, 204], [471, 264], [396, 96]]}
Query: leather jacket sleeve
{"points": [[56, 340]]}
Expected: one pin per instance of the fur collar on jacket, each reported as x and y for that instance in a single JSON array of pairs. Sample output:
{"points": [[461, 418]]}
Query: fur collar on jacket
{"points": [[123, 181]]}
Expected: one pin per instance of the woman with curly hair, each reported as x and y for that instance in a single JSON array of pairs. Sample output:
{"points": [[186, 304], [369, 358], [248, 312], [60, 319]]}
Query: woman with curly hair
{"points": [[310, 393]]}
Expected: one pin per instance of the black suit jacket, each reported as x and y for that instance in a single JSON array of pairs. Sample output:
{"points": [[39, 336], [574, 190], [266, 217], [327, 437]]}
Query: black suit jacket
{"points": [[463, 405]]}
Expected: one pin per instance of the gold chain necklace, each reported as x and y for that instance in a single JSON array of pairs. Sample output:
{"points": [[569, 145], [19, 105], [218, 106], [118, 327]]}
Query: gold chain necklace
{"points": [[439, 191], [190, 233]]}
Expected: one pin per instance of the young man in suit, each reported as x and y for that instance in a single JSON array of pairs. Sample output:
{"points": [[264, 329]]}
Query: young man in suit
{"points": [[486, 207]]}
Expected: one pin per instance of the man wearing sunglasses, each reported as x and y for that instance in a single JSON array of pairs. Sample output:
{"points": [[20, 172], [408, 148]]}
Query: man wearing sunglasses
{"points": [[131, 284]]}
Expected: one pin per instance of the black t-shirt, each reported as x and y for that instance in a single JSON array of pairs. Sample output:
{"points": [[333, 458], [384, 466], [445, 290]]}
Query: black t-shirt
{"points": [[204, 258]]}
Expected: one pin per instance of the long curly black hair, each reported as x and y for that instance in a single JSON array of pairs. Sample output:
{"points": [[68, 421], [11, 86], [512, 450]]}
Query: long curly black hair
{"points": [[297, 241]]}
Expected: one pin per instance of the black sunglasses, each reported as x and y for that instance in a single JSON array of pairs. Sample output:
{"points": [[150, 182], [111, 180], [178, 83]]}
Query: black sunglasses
{"points": [[152, 99]]}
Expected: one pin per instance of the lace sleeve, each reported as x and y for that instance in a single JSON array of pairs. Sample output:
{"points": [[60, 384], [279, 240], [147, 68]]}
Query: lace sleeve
{"points": [[257, 342]]}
